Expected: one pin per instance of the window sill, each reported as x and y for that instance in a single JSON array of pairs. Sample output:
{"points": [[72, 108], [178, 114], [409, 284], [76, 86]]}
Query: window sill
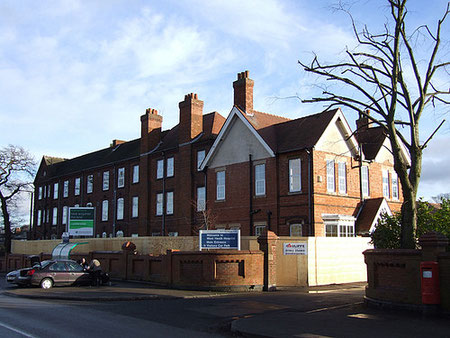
{"points": [[295, 192]]}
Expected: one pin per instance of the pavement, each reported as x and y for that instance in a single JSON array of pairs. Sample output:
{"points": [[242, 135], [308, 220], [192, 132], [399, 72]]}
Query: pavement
{"points": [[325, 311]]}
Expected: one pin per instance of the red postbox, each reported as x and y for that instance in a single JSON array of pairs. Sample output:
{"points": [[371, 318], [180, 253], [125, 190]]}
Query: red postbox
{"points": [[429, 275]]}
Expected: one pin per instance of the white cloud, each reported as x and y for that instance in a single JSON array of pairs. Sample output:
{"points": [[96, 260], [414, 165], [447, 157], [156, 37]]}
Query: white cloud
{"points": [[435, 174]]}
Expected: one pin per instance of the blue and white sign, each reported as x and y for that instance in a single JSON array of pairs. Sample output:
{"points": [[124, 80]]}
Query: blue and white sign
{"points": [[220, 239]]}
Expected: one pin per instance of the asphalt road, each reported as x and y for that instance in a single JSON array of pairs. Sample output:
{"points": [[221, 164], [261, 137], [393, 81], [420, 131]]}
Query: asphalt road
{"points": [[321, 312]]}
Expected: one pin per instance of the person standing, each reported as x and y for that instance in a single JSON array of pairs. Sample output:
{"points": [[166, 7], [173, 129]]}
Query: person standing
{"points": [[96, 272]]}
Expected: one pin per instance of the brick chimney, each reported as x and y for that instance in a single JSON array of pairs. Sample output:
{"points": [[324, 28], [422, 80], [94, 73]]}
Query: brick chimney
{"points": [[150, 129], [191, 118], [243, 92], [363, 122]]}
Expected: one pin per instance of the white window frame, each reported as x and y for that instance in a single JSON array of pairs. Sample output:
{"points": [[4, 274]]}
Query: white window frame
{"points": [[159, 169], [339, 226], [292, 231], [65, 211], [385, 178], [394, 184], [121, 177], [89, 184], [66, 189], [342, 177], [260, 179], [259, 228], [220, 185], [105, 185], [134, 206], [365, 181], [77, 189], [170, 167], [295, 175], [159, 204], [200, 157], [201, 198], [55, 216], [55, 190], [331, 176], [136, 173], [105, 210], [120, 208], [169, 203]]}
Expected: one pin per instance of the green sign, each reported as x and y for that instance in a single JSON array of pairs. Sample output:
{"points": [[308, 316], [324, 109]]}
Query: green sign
{"points": [[81, 221]]}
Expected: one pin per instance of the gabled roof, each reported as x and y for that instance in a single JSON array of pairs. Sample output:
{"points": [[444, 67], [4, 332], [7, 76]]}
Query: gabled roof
{"points": [[238, 113], [278, 134], [369, 214]]}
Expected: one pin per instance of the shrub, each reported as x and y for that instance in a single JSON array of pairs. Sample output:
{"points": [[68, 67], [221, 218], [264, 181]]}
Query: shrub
{"points": [[429, 218]]}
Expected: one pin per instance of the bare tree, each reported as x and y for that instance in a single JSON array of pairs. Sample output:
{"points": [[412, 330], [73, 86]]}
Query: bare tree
{"points": [[440, 197], [17, 169], [205, 217], [377, 73]]}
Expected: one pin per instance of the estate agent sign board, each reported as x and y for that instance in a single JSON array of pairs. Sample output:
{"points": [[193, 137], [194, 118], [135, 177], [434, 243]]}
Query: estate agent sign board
{"points": [[81, 221], [220, 239], [295, 249]]}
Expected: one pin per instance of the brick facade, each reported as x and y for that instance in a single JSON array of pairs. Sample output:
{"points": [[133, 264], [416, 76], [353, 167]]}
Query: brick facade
{"points": [[167, 204]]}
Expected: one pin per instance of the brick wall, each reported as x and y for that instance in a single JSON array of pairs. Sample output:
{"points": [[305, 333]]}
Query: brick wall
{"points": [[394, 275]]}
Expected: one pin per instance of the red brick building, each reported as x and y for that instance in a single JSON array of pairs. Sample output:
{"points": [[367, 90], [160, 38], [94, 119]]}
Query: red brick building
{"points": [[308, 176]]}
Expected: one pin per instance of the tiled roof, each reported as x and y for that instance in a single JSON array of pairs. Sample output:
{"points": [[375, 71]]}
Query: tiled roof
{"points": [[367, 215], [371, 140], [212, 122], [283, 135], [49, 160], [57, 167], [96, 159], [261, 120]]}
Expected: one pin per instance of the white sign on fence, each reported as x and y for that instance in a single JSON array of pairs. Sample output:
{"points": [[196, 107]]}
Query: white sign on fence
{"points": [[295, 249]]}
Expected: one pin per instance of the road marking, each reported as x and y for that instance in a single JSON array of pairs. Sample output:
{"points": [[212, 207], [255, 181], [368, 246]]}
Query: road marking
{"points": [[16, 330], [334, 307]]}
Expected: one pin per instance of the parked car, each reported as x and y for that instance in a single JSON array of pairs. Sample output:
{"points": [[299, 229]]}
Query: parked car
{"points": [[47, 274], [21, 277]]}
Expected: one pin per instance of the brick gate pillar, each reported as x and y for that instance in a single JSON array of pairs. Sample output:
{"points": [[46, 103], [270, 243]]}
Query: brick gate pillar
{"points": [[268, 242], [433, 243]]}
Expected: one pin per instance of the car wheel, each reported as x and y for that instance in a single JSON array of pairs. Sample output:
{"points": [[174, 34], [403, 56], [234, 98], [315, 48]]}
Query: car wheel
{"points": [[47, 283]]}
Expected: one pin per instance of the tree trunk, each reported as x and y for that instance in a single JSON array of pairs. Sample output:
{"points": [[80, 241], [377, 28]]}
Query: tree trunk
{"points": [[7, 224], [409, 222]]}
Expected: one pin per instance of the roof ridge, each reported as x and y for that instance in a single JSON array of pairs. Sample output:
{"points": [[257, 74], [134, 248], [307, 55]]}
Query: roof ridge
{"points": [[100, 150]]}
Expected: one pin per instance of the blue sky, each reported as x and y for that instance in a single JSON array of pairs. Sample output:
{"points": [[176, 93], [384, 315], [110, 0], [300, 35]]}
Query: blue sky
{"points": [[74, 75]]}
